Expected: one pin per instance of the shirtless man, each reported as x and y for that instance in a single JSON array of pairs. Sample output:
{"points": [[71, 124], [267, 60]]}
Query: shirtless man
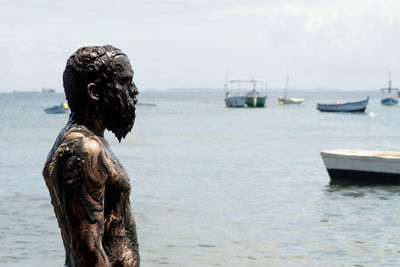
{"points": [[89, 188]]}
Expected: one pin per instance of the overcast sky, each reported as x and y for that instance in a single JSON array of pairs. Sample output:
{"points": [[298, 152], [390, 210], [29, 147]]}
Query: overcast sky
{"points": [[343, 44]]}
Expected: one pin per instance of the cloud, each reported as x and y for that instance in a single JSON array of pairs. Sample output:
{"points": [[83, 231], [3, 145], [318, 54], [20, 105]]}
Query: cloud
{"points": [[189, 43]]}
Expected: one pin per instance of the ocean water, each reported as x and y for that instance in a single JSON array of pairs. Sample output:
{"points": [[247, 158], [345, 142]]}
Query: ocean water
{"points": [[214, 186]]}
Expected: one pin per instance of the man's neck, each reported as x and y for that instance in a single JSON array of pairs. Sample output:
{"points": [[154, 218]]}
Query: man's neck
{"points": [[92, 120]]}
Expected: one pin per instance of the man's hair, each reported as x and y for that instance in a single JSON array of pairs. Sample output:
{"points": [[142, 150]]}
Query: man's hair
{"points": [[89, 64]]}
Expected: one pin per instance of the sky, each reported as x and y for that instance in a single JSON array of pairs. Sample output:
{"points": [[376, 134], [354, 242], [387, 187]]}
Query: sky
{"points": [[340, 44]]}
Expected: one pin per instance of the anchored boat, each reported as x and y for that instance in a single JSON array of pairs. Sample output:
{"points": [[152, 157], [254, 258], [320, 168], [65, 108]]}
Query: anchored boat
{"points": [[63, 108], [358, 106], [362, 166], [235, 96], [150, 104], [389, 96], [283, 100], [256, 97], [235, 101]]}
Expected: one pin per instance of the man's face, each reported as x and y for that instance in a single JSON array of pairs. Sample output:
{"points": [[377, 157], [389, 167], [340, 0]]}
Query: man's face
{"points": [[124, 77], [119, 100]]}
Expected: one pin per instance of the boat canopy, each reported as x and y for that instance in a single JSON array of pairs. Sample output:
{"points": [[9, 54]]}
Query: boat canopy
{"points": [[262, 83], [390, 89]]}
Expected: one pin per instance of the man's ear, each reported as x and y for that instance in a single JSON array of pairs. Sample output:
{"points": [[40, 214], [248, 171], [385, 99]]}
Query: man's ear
{"points": [[93, 91]]}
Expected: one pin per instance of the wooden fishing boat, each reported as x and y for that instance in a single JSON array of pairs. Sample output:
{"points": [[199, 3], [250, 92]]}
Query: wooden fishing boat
{"points": [[290, 100], [389, 100], [389, 96], [255, 100], [234, 97], [235, 101], [238, 97], [358, 106], [284, 100], [256, 97], [362, 166]]}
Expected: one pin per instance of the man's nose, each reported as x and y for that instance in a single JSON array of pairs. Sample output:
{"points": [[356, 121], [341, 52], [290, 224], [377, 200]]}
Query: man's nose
{"points": [[135, 91]]}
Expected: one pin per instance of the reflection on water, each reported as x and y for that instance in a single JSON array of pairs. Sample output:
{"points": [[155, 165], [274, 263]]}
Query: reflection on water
{"points": [[360, 190], [362, 222]]}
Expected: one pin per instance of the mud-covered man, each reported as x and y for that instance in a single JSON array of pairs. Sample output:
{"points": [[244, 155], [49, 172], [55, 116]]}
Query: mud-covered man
{"points": [[89, 188]]}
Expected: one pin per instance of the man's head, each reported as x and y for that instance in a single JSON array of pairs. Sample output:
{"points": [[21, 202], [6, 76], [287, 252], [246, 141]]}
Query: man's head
{"points": [[100, 78]]}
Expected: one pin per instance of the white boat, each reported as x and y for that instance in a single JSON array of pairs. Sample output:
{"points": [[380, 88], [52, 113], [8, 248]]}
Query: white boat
{"points": [[284, 100], [362, 166], [142, 103], [389, 96], [290, 100], [358, 106]]}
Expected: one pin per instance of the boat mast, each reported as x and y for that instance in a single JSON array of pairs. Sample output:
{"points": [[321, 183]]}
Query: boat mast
{"points": [[287, 83], [226, 84], [390, 83]]}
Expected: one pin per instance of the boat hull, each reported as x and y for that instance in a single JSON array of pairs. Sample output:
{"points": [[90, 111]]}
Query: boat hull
{"points": [[389, 101], [151, 104], [235, 101], [358, 106], [362, 177], [290, 100], [362, 166], [56, 109], [255, 101]]}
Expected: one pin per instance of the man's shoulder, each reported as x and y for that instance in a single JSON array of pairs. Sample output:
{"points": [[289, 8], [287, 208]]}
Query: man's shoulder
{"points": [[79, 139], [79, 145], [80, 149]]}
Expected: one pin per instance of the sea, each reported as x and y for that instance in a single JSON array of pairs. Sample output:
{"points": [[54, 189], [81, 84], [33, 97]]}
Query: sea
{"points": [[215, 186]]}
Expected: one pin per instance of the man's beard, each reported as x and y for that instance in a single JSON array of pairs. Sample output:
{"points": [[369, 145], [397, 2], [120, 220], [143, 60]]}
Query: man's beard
{"points": [[118, 112]]}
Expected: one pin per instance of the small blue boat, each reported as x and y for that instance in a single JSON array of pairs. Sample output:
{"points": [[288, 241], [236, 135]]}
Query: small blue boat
{"points": [[389, 96], [358, 106], [63, 108], [389, 101]]}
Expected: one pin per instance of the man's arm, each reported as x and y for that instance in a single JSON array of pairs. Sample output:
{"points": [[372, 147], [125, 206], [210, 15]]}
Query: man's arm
{"points": [[84, 178]]}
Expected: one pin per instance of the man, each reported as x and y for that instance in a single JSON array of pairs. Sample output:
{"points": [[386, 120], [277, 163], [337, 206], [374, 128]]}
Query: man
{"points": [[89, 188]]}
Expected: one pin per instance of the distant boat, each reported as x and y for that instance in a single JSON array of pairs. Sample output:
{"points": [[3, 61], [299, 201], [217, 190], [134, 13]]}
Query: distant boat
{"points": [[48, 90], [24, 92], [232, 101], [234, 98], [358, 106], [254, 97], [141, 103], [63, 108], [363, 166], [389, 96], [283, 100]]}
